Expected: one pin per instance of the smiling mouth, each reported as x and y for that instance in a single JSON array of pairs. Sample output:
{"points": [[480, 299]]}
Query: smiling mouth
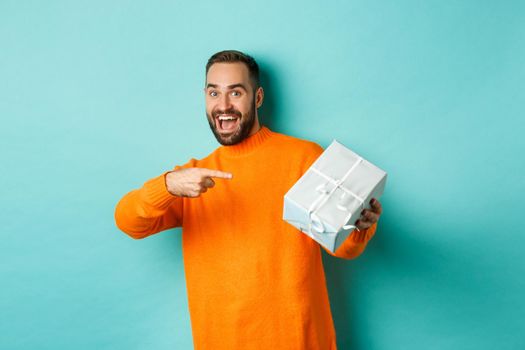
{"points": [[227, 123]]}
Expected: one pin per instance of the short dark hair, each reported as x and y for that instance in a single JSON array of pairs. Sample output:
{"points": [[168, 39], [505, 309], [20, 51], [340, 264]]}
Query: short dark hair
{"points": [[232, 56]]}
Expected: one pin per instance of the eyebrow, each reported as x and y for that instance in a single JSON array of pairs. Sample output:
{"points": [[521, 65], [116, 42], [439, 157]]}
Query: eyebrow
{"points": [[232, 86]]}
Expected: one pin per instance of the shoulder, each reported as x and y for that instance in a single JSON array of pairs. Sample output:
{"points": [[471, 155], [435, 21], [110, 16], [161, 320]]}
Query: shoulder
{"points": [[296, 146], [294, 153]]}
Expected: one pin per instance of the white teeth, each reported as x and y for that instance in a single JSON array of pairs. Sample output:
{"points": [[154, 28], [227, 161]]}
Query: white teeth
{"points": [[224, 117]]}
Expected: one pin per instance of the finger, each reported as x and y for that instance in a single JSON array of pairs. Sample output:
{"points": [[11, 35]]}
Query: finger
{"points": [[362, 225], [208, 182], [376, 206], [196, 189], [215, 173], [369, 215], [194, 194]]}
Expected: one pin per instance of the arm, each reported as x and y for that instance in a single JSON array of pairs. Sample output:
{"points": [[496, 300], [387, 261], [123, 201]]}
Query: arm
{"points": [[149, 210], [158, 205]]}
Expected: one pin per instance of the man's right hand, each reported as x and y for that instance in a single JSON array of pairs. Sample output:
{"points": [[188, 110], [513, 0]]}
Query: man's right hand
{"points": [[191, 182]]}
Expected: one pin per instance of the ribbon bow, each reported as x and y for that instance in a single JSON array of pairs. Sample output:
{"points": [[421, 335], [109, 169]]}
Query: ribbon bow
{"points": [[315, 225]]}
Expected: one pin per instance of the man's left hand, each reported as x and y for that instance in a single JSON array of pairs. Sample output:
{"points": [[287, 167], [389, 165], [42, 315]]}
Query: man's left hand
{"points": [[369, 216]]}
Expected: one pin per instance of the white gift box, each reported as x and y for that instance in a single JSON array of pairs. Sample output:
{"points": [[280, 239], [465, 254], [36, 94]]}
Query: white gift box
{"points": [[328, 199]]}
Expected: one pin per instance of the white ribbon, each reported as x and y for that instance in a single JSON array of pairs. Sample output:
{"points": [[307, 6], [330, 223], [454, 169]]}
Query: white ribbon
{"points": [[315, 225]]}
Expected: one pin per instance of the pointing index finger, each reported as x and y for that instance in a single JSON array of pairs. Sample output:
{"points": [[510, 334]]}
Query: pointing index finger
{"points": [[216, 173]]}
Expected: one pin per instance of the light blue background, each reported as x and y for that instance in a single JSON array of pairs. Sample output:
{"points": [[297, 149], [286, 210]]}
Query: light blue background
{"points": [[96, 97]]}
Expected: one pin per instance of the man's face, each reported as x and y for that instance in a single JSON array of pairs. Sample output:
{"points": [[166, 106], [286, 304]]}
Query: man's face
{"points": [[230, 102]]}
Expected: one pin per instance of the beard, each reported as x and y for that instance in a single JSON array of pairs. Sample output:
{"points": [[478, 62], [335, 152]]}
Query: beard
{"points": [[246, 123]]}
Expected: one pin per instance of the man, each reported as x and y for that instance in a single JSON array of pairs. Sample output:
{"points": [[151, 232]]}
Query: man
{"points": [[253, 280]]}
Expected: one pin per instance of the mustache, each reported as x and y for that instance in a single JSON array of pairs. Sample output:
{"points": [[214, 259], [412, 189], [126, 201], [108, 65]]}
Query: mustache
{"points": [[228, 111]]}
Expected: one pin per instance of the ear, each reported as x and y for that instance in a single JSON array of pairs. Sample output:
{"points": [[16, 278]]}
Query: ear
{"points": [[259, 97]]}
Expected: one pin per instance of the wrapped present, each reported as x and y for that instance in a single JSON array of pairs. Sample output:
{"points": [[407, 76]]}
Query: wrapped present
{"points": [[328, 199]]}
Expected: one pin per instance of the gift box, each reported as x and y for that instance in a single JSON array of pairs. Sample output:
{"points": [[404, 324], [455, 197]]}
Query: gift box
{"points": [[328, 199]]}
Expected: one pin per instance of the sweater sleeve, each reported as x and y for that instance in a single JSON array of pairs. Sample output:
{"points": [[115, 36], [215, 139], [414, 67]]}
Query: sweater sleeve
{"points": [[354, 244], [149, 209]]}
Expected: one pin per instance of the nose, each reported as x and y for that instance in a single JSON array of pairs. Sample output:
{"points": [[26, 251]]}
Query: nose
{"points": [[224, 102]]}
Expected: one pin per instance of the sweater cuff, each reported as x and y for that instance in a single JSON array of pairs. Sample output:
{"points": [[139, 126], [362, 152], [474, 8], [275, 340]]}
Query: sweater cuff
{"points": [[155, 193], [363, 236]]}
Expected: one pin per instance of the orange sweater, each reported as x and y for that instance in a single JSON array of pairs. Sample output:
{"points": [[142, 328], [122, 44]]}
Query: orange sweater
{"points": [[253, 280]]}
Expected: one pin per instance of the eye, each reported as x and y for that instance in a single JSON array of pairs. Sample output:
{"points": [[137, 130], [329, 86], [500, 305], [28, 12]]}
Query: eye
{"points": [[213, 93], [236, 93]]}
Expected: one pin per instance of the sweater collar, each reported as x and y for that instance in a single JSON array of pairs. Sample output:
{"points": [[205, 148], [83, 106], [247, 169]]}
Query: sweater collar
{"points": [[249, 144]]}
